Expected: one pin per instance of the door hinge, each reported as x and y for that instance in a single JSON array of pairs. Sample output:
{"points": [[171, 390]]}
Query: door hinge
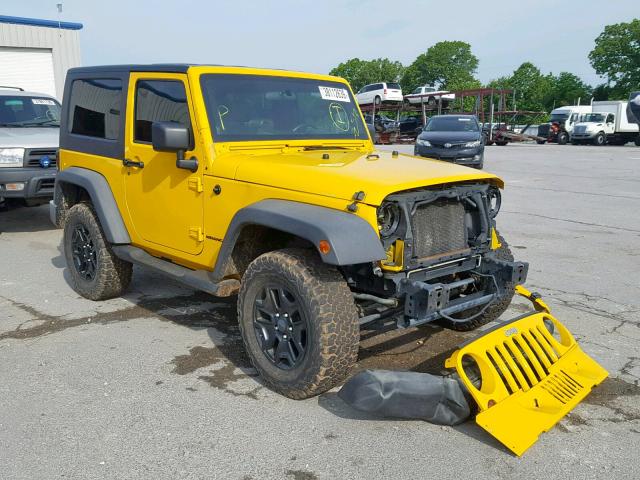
{"points": [[195, 184], [196, 233]]}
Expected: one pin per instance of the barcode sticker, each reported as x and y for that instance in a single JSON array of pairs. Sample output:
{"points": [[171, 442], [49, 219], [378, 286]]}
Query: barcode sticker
{"points": [[334, 94], [42, 101]]}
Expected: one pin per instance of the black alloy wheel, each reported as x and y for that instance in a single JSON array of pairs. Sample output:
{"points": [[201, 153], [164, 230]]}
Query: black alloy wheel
{"points": [[84, 254], [281, 326]]}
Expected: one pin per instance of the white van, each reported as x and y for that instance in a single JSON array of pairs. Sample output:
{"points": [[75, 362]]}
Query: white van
{"points": [[377, 93]]}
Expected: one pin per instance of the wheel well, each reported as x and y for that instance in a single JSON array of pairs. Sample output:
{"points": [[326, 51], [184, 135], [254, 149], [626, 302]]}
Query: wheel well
{"points": [[253, 241], [67, 195]]}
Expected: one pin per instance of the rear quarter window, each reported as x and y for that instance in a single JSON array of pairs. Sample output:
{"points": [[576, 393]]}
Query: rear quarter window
{"points": [[94, 108]]}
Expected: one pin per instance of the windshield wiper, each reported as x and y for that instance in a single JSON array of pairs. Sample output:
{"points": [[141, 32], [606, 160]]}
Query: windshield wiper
{"points": [[11, 125], [45, 123]]}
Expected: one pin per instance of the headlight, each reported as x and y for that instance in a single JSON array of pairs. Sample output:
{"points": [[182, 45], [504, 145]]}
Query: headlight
{"points": [[494, 198], [424, 143], [11, 157], [388, 219], [472, 144]]}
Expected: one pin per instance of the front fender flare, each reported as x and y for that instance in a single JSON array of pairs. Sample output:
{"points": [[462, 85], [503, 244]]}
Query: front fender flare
{"points": [[102, 199], [352, 239]]}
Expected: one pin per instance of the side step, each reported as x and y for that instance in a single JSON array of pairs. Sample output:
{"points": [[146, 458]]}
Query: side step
{"points": [[198, 279]]}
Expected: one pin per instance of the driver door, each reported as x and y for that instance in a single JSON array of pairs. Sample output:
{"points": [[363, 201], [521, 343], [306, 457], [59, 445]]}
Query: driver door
{"points": [[165, 203]]}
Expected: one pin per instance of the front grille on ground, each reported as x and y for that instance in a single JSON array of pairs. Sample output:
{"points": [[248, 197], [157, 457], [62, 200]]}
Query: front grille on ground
{"points": [[33, 157], [439, 229]]}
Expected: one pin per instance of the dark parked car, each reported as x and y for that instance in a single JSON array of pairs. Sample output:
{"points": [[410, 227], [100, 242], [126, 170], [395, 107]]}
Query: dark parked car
{"points": [[454, 138], [410, 125]]}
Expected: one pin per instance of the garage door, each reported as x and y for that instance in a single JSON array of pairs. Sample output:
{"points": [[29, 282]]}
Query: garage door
{"points": [[27, 68]]}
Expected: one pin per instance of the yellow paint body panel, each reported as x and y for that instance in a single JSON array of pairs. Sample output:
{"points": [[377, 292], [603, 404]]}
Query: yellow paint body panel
{"points": [[529, 378], [172, 213]]}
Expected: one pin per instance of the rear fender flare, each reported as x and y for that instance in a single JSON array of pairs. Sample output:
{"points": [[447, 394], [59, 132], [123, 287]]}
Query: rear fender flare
{"points": [[351, 238], [102, 199]]}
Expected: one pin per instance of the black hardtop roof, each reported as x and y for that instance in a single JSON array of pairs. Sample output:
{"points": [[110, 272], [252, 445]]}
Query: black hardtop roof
{"points": [[157, 67]]}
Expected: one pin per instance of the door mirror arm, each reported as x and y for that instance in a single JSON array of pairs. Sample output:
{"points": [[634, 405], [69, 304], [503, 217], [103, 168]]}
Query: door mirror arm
{"points": [[181, 162]]}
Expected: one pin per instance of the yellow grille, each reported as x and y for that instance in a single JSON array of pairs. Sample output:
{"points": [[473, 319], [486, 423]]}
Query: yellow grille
{"points": [[529, 379]]}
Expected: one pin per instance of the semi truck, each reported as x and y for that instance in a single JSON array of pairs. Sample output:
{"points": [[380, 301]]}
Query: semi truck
{"points": [[611, 122], [561, 123]]}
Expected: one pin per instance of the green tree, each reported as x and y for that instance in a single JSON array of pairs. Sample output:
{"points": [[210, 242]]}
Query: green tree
{"points": [[530, 85], [616, 56], [363, 72], [566, 89], [450, 65]]}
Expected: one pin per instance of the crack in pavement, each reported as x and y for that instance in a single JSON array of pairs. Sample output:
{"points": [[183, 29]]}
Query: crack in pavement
{"points": [[576, 192], [194, 311], [578, 222]]}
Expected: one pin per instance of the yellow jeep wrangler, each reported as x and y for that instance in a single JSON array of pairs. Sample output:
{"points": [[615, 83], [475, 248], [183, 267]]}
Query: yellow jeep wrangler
{"points": [[266, 183]]}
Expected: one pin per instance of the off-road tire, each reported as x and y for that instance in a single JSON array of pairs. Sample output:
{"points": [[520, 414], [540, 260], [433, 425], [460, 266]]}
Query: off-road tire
{"points": [[563, 138], [334, 331], [495, 310], [112, 275]]}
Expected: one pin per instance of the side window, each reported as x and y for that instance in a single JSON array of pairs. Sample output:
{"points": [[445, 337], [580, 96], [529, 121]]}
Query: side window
{"points": [[159, 101], [94, 108], [417, 90], [610, 118]]}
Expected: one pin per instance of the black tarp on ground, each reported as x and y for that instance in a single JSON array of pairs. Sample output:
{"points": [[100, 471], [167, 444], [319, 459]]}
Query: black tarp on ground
{"points": [[408, 395]]}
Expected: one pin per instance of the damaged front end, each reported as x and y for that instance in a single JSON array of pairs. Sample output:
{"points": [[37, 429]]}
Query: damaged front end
{"points": [[523, 376], [443, 258]]}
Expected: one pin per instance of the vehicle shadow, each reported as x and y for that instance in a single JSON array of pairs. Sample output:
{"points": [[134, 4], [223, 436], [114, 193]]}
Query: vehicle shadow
{"points": [[17, 219]]}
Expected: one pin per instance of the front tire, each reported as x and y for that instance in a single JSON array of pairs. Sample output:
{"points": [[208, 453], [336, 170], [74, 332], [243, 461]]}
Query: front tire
{"points": [[600, 139], [299, 322], [563, 138], [493, 311], [96, 273]]}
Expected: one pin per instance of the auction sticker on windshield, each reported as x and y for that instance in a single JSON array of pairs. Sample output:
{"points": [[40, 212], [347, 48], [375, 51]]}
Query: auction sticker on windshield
{"points": [[42, 101], [336, 94]]}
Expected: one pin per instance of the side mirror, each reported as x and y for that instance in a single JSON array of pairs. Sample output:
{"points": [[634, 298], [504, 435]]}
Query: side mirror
{"points": [[173, 137]]}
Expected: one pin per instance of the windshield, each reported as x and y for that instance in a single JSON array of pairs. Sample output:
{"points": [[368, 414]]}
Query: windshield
{"points": [[593, 117], [451, 124], [21, 111], [257, 107], [559, 117]]}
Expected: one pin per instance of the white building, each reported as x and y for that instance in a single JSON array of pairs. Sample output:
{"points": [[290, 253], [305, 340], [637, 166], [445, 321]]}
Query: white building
{"points": [[36, 54]]}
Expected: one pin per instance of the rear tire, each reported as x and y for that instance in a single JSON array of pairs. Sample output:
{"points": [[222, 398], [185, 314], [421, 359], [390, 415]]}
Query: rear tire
{"points": [[96, 273], [377, 101], [495, 310], [291, 363], [637, 141]]}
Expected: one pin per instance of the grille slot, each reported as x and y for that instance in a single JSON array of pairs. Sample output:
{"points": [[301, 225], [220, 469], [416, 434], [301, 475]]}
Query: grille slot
{"points": [[524, 359], [439, 229], [33, 157]]}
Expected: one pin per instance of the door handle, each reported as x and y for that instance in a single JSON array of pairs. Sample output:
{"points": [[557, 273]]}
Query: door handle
{"points": [[130, 163]]}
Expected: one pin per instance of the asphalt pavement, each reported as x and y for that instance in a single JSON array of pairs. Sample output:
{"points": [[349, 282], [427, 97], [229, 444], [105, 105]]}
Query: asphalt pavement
{"points": [[156, 384]]}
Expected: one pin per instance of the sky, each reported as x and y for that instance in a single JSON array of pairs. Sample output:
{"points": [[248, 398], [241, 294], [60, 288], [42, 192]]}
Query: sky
{"points": [[317, 35]]}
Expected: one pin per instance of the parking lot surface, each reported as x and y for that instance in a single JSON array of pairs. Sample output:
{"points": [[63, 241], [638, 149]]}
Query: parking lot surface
{"points": [[156, 384]]}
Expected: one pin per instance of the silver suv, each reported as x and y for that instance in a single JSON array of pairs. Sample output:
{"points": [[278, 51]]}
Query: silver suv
{"points": [[29, 134]]}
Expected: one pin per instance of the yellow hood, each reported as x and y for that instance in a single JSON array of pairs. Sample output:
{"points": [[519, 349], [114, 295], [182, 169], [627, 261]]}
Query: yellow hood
{"points": [[346, 172]]}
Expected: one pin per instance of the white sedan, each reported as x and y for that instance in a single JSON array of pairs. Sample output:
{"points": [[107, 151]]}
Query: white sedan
{"points": [[429, 95]]}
